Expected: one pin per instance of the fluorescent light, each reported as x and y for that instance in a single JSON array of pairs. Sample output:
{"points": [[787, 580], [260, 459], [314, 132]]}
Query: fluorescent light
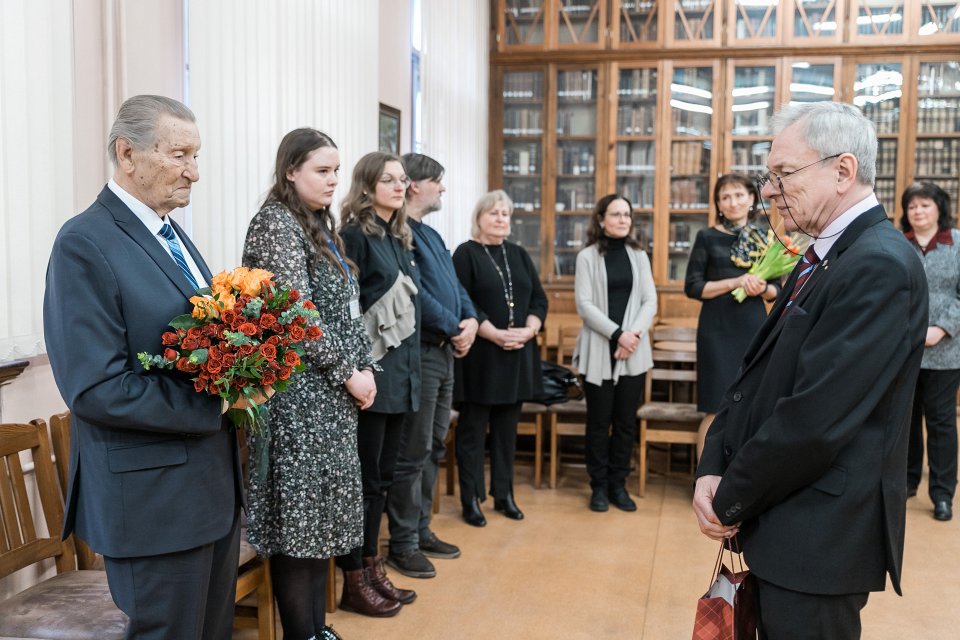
{"points": [[825, 26], [928, 29], [880, 79], [689, 106], [691, 91], [750, 106], [798, 87], [889, 95], [741, 92], [801, 65], [879, 18]]}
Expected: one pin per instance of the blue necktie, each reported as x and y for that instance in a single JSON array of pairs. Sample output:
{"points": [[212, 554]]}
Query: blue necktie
{"points": [[166, 231], [807, 265]]}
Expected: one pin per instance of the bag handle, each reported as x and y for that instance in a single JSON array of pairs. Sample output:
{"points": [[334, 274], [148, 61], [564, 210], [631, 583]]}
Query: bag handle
{"points": [[732, 545]]}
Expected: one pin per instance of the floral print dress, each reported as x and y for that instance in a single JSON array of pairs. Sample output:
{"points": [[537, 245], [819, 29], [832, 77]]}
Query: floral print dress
{"points": [[307, 503]]}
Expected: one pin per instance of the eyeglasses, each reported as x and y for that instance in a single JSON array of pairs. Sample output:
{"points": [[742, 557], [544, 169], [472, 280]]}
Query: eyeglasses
{"points": [[618, 214], [390, 180], [764, 178]]}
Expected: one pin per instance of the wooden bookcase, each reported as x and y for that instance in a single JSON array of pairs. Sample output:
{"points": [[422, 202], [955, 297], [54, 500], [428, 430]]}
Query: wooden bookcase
{"points": [[655, 99]]}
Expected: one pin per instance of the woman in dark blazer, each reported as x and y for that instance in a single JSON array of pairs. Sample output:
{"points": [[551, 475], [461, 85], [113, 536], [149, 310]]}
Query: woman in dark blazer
{"points": [[378, 241], [503, 367], [928, 224]]}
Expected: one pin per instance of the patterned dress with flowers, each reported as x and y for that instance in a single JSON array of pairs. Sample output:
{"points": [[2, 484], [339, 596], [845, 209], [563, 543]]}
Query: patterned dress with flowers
{"points": [[307, 503]]}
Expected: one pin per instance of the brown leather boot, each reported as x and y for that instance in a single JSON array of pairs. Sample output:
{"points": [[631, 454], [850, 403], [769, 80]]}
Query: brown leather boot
{"points": [[359, 596], [377, 576]]}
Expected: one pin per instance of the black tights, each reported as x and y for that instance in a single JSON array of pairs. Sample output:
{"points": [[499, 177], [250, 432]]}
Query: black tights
{"points": [[300, 587]]}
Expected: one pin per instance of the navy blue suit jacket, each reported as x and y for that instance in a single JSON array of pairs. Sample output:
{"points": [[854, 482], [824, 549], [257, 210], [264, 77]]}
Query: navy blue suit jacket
{"points": [[811, 438], [153, 464]]}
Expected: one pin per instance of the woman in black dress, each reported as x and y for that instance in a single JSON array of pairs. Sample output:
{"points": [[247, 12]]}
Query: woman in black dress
{"points": [[718, 264], [378, 241], [503, 367]]}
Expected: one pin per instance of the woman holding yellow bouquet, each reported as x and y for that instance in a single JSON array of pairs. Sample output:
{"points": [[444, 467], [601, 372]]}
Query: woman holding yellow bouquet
{"points": [[306, 506], [719, 261]]}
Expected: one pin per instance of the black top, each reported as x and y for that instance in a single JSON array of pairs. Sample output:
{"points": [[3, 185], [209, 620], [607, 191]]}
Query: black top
{"points": [[619, 282], [488, 374], [380, 260]]}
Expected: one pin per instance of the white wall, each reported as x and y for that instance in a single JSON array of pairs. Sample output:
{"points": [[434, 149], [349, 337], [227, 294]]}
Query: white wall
{"points": [[395, 64]]}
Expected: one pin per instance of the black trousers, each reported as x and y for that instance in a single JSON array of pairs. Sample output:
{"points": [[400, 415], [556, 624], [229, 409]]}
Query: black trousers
{"points": [[470, 436], [611, 429], [378, 442], [935, 399], [791, 615], [187, 594]]}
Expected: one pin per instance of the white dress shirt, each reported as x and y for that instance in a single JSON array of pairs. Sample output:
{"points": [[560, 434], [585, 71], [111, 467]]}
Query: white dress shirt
{"points": [[835, 229]]}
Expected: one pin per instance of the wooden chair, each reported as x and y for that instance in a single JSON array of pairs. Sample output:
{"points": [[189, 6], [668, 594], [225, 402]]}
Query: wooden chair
{"points": [[667, 421], [72, 604], [566, 418], [60, 437]]}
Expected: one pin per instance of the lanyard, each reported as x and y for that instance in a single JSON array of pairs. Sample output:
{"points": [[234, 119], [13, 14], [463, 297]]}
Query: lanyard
{"points": [[336, 252]]}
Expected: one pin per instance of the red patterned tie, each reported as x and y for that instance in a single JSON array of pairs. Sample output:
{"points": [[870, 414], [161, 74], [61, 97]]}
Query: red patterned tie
{"points": [[807, 265]]}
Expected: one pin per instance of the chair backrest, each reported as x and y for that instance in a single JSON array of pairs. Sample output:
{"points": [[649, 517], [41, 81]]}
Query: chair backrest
{"points": [[20, 544], [566, 342], [675, 368], [674, 333]]}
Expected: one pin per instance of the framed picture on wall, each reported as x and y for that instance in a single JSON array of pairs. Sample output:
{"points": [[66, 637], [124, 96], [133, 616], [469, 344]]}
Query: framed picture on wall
{"points": [[389, 129]]}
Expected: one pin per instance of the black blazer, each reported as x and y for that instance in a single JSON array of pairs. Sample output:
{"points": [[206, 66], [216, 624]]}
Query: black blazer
{"points": [[153, 464], [811, 438]]}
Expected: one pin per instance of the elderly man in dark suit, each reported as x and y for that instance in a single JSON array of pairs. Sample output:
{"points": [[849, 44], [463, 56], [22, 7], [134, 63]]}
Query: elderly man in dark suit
{"points": [[806, 459], [154, 472]]}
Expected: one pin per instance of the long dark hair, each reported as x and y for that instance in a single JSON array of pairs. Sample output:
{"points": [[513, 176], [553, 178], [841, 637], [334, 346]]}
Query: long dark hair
{"points": [[740, 180], [293, 151], [595, 234], [357, 208], [932, 191]]}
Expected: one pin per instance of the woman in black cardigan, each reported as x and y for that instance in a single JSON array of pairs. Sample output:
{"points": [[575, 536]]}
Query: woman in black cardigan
{"points": [[503, 367], [378, 241]]}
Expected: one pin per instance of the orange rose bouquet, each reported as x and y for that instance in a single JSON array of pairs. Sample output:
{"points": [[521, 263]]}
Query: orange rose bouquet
{"points": [[244, 336]]}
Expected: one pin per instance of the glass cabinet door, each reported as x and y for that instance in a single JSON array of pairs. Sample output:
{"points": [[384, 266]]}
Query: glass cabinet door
{"points": [[811, 22], [692, 107], [521, 23], [938, 18], [877, 20], [810, 80], [576, 148], [752, 104], [522, 162], [694, 23], [753, 22], [938, 125], [635, 149], [877, 89], [581, 22], [635, 23]]}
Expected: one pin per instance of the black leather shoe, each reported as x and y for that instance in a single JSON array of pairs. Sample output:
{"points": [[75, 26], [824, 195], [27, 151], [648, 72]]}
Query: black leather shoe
{"points": [[508, 506], [412, 564], [621, 499], [599, 500], [942, 510], [472, 514]]}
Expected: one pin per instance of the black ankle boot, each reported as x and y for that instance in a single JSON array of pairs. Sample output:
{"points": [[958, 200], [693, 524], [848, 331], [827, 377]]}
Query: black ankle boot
{"points": [[472, 514], [508, 506]]}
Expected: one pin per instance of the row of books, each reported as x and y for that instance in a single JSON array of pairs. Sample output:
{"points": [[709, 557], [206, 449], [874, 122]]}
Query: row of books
{"points": [[523, 86], [636, 157], [522, 160], [691, 123], [887, 158], [688, 158], [689, 193], [576, 85], [577, 121], [938, 115], [636, 120], [937, 157], [522, 122], [639, 190], [575, 196], [571, 231], [885, 115], [525, 194], [638, 83], [750, 158]]}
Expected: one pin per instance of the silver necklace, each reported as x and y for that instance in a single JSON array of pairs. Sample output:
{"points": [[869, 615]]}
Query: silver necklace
{"points": [[506, 282]]}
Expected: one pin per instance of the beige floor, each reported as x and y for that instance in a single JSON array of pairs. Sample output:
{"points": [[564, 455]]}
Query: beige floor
{"points": [[565, 572]]}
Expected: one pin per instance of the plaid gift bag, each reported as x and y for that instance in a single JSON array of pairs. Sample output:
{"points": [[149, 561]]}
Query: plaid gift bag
{"points": [[728, 610]]}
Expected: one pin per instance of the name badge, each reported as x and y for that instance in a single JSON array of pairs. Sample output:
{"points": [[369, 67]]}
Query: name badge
{"points": [[355, 307]]}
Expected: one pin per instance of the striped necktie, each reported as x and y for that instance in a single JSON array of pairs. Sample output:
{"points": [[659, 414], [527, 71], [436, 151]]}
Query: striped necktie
{"points": [[807, 265], [166, 231]]}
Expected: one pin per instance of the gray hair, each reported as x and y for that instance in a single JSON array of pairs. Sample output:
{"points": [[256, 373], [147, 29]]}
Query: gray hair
{"points": [[486, 202], [832, 128], [137, 121]]}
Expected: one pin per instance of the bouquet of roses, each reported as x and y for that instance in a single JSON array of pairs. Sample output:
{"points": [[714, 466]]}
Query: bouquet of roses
{"points": [[244, 336], [776, 260]]}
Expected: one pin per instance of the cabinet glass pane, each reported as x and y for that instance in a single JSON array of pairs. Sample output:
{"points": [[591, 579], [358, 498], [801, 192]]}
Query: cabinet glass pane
{"points": [[877, 91], [753, 98], [524, 191], [521, 158], [690, 175], [523, 22], [579, 22], [643, 232], [577, 103], [693, 19], [939, 98], [570, 235], [811, 82], [815, 18], [886, 184], [750, 156], [691, 101], [683, 231], [523, 103], [636, 169], [755, 18], [637, 102], [879, 17], [638, 21], [525, 231], [939, 16]]}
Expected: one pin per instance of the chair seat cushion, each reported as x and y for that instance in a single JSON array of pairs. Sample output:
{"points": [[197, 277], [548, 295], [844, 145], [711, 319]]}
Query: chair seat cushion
{"points": [[570, 407], [670, 412], [71, 606]]}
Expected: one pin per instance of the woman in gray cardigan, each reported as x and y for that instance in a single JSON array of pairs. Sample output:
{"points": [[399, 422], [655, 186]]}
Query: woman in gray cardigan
{"points": [[617, 301], [928, 224]]}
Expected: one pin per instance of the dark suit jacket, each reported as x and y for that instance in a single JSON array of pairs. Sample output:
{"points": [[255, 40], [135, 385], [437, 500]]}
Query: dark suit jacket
{"points": [[153, 466], [811, 438]]}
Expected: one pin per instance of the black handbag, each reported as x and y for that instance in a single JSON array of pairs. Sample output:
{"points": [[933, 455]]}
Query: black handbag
{"points": [[560, 384]]}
